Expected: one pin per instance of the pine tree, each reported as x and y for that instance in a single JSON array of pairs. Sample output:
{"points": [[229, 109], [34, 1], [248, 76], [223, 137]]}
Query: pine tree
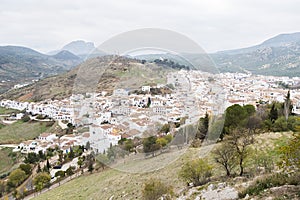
{"points": [[48, 165], [203, 127], [287, 106], [273, 116], [39, 168]]}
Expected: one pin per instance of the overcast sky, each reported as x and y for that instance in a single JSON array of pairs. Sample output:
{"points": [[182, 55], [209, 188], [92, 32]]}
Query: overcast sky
{"points": [[215, 25]]}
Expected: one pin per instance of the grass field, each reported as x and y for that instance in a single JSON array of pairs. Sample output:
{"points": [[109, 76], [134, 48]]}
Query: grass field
{"points": [[5, 111], [121, 185], [20, 131], [6, 163]]}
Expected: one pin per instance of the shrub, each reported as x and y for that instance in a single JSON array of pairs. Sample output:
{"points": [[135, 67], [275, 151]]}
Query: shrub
{"points": [[196, 171], [26, 168], [270, 181], [16, 177], [154, 189], [25, 118]]}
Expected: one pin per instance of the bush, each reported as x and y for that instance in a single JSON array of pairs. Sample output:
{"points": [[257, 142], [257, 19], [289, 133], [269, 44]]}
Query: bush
{"points": [[154, 189], [40, 117], [41, 180], [26, 168], [25, 118], [270, 181], [16, 177], [196, 171]]}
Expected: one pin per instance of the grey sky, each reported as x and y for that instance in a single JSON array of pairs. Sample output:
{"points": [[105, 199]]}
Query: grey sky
{"points": [[46, 25]]}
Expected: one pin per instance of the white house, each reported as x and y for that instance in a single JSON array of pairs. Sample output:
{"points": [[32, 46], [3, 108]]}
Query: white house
{"points": [[146, 88]]}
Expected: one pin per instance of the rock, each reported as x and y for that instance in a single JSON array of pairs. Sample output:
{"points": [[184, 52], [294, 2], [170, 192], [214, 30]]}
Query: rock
{"points": [[221, 185], [227, 193], [211, 187]]}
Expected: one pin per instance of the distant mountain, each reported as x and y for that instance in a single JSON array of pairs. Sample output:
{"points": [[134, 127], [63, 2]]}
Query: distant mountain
{"points": [[65, 55], [81, 49], [21, 64], [279, 56]]}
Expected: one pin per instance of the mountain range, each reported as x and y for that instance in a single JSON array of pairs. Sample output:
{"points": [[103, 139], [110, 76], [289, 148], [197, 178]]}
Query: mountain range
{"points": [[80, 48], [22, 65], [278, 56]]}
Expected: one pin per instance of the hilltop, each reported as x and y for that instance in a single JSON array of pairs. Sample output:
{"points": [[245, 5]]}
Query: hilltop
{"points": [[94, 75]]}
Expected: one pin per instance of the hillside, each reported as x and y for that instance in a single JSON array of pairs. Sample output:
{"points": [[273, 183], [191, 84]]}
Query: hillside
{"points": [[94, 75], [19, 65], [279, 56], [117, 184]]}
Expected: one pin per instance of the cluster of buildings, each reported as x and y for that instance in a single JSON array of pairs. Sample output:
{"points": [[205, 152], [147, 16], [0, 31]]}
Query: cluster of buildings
{"points": [[128, 115], [50, 141]]}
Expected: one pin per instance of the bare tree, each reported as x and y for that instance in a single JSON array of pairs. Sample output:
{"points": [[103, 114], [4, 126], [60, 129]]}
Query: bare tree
{"points": [[241, 139], [225, 156]]}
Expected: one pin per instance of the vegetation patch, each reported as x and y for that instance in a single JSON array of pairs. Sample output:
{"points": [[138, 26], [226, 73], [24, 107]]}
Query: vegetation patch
{"points": [[21, 131]]}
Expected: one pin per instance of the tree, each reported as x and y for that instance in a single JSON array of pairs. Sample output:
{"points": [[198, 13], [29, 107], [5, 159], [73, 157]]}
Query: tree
{"points": [[39, 169], [250, 109], [80, 162], [202, 127], [273, 116], [41, 155], [26, 168], [225, 156], [102, 160], [154, 189], [254, 123], [41, 180], [32, 158], [91, 167], [280, 125], [48, 164], [235, 117], [60, 156], [162, 142], [111, 153], [240, 140], [168, 137], [165, 128], [71, 154], [25, 118], [128, 145], [150, 145], [287, 106], [70, 171], [60, 174], [196, 171], [148, 102], [16, 177], [46, 169]]}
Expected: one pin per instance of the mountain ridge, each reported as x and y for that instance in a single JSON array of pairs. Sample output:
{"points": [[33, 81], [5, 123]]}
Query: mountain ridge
{"points": [[22, 64]]}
